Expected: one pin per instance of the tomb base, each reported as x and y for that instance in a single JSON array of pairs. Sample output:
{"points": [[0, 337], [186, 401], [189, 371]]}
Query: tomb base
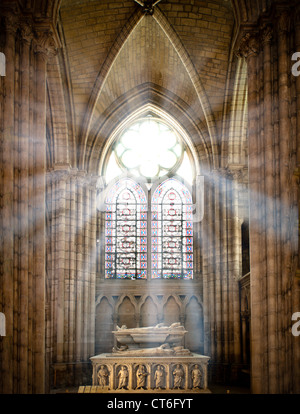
{"points": [[116, 373]]}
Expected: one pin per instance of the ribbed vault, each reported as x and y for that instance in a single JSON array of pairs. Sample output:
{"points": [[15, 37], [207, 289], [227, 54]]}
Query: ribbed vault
{"points": [[186, 56]]}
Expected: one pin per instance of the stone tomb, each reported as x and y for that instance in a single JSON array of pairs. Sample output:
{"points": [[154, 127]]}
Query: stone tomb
{"points": [[137, 366]]}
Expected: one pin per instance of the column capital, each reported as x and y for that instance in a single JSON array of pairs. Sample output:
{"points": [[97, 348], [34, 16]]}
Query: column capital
{"points": [[59, 172], [11, 22], [283, 21], [44, 43], [249, 45], [266, 34], [26, 31], [238, 172], [297, 174], [81, 177], [297, 15]]}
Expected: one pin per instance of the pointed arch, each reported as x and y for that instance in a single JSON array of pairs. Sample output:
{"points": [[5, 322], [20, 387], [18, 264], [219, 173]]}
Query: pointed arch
{"points": [[195, 78], [207, 121], [140, 101], [62, 145], [100, 81], [172, 231], [234, 149], [140, 112], [126, 231]]}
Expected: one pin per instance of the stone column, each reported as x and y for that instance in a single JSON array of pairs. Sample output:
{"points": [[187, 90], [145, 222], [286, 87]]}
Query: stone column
{"points": [[86, 269], [285, 149], [296, 299], [43, 46], [93, 261], [249, 49], [272, 159], [235, 266], [24, 137], [73, 268], [80, 266], [216, 230], [208, 271], [270, 196], [60, 177], [7, 222]]}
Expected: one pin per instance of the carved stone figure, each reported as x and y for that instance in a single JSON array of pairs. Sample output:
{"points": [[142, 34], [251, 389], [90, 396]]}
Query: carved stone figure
{"points": [[159, 377], [196, 377], [162, 350], [178, 376], [123, 377], [150, 335], [102, 376], [141, 376]]}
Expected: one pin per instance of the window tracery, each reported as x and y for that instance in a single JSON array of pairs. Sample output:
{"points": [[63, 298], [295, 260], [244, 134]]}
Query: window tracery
{"points": [[139, 245]]}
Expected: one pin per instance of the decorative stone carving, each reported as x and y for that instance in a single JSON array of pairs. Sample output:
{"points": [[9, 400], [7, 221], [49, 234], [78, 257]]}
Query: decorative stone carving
{"points": [[44, 44], [249, 45], [123, 377], [26, 31], [161, 350], [283, 21], [149, 336], [178, 377], [11, 22], [266, 34], [102, 376], [148, 5], [160, 373], [166, 367], [141, 376], [196, 376], [159, 377]]}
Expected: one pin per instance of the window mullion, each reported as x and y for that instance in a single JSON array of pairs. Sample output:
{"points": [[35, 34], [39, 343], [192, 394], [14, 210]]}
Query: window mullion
{"points": [[136, 238], [149, 236], [181, 238]]}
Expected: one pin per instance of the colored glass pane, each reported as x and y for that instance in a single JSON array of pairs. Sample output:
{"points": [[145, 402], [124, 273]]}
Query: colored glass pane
{"points": [[126, 226], [172, 231]]}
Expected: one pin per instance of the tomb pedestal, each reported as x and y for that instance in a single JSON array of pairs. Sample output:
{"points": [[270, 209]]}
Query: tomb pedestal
{"points": [[174, 373]]}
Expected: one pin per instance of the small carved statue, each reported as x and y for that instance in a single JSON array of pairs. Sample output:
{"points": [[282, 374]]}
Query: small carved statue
{"points": [[123, 377], [196, 377], [102, 376], [178, 376], [159, 377], [141, 376]]}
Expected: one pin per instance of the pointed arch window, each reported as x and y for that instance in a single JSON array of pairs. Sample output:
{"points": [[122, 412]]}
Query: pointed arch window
{"points": [[159, 244], [172, 231], [126, 231]]}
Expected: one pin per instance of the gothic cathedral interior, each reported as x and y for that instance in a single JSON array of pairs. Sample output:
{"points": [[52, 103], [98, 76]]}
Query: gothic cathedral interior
{"points": [[149, 175]]}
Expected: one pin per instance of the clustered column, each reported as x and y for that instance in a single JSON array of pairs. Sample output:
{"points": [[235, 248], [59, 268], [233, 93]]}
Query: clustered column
{"points": [[221, 240], [23, 139], [273, 200], [72, 272]]}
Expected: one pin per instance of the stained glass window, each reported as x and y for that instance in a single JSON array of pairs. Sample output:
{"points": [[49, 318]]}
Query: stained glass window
{"points": [[126, 231], [159, 245], [172, 231]]}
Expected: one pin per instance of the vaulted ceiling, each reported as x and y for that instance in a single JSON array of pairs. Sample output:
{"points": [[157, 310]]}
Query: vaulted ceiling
{"points": [[182, 53]]}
